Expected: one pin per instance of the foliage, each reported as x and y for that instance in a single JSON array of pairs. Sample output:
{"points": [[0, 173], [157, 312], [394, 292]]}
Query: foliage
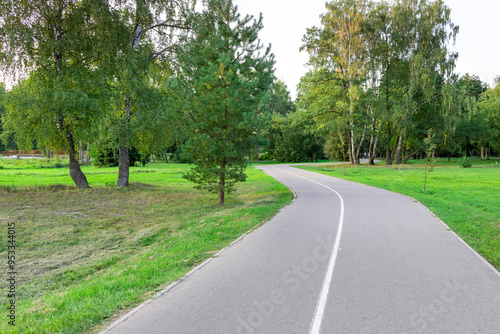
{"points": [[140, 115], [294, 142], [377, 71], [7, 142], [464, 162], [489, 106], [276, 105], [62, 49], [278, 100], [225, 77], [105, 156]]}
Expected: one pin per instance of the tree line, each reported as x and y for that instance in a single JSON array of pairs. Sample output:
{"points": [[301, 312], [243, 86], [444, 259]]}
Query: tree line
{"points": [[382, 82], [122, 77]]}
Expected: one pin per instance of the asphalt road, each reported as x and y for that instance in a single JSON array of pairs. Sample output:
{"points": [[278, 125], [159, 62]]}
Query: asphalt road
{"points": [[342, 258]]}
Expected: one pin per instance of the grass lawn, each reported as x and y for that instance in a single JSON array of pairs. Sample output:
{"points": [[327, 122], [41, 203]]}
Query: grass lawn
{"points": [[467, 199], [85, 256]]}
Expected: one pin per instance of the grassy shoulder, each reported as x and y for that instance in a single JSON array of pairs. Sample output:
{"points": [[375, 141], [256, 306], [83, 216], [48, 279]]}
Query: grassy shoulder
{"points": [[467, 199], [84, 256]]}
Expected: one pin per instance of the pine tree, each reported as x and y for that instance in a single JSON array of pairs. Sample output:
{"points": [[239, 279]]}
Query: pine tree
{"points": [[226, 72]]}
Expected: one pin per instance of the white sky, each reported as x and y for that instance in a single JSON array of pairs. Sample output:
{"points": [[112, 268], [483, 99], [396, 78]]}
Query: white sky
{"points": [[286, 21]]}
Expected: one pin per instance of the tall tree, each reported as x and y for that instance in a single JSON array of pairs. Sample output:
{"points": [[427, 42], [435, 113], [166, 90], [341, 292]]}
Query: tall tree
{"points": [[59, 45], [422, 32], [339, 47], [153, 30], [381, 58], [276, 105], [280, 101], [488, 115], [226, 73]]}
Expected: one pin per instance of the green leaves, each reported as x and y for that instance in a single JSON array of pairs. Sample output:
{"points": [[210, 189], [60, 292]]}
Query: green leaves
{"points": [[375, 62], [225, 76]]}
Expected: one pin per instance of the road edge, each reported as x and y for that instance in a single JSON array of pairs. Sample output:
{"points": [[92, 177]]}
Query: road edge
{"points": [[462, 241], [469, 247], [190, 273]]}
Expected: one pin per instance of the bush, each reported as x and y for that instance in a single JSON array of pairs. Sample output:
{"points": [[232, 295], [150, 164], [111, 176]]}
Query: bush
{"points": [[178, 155], [334, 151], [109, 157], [106, 157], [266, 156], [464, 162]]}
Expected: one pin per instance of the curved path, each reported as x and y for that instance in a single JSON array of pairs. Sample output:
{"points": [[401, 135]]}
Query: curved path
{"points": [[342, 258]]}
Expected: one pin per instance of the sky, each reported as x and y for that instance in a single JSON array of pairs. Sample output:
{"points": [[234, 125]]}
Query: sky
{"points": [[286, 22]]}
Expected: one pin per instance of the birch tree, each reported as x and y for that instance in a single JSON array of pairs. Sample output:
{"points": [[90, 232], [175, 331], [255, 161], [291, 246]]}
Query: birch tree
{"points": [[153, 30], [55, 50], [338, 48], [422, 31]]}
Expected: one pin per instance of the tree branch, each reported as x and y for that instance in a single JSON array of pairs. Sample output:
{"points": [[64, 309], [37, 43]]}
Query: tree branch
{"points": [[155, 55], [164, 24]]}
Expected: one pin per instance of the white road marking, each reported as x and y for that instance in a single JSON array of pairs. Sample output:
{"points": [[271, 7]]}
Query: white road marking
{"points": [[323, 296]]}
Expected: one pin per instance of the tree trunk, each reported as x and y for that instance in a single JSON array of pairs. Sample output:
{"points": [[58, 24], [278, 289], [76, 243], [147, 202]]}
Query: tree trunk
{"points": [[87, 157], [352, 155], [166, 157], [358, 151], [222, 184], [388, 153], [123, 162], [123, 167], [372, 141], [426, 164], [82, 156], [397, 159], [74, 167], [349, 151], [373, 145]]}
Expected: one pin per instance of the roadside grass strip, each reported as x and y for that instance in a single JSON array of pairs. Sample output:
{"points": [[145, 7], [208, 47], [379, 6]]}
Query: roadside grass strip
{"points": [[466, 199], [86, 257]]}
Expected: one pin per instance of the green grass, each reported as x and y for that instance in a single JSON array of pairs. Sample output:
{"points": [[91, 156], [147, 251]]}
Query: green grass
{"points": [[467, 199], [85, 256]]}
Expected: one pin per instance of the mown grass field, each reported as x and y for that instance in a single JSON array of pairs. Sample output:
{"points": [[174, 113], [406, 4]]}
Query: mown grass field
{"points": [[84, 256], [467, 199]]}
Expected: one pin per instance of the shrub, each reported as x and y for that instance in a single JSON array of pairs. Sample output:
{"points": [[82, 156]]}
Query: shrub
{"points": [[464, 162], [266, 156]]}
